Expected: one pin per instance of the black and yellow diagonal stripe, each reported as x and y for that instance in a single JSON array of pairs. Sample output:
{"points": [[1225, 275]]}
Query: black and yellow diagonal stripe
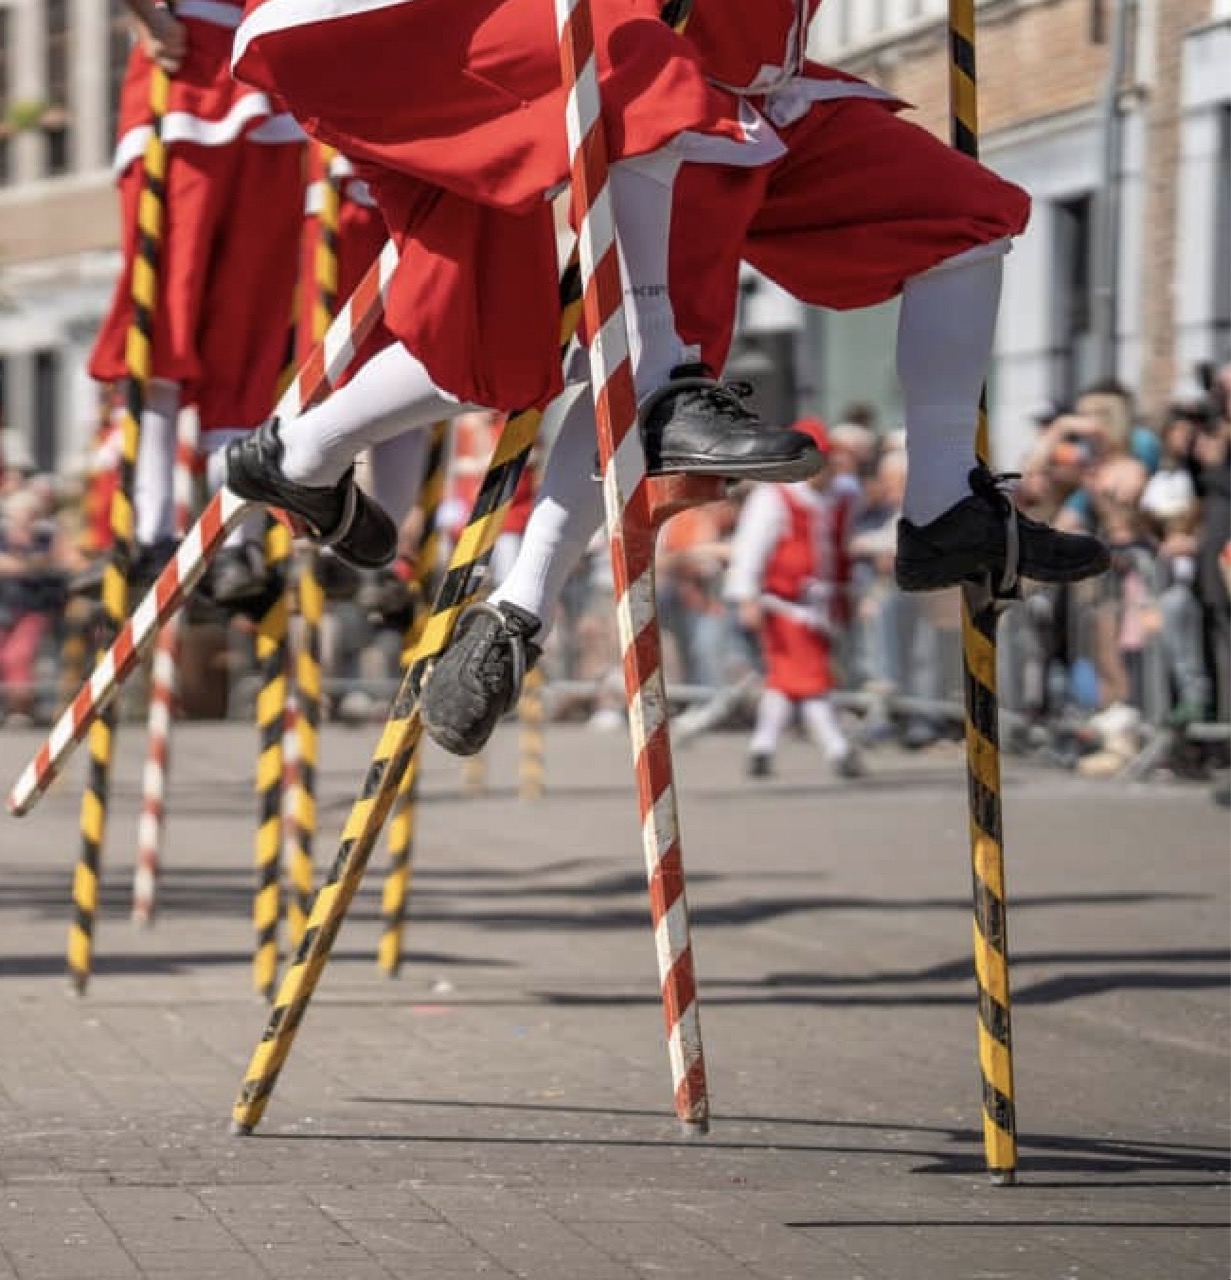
{"points": [[396, 889], [272, 661], [138, 353], [979, 618], [310, 593]]}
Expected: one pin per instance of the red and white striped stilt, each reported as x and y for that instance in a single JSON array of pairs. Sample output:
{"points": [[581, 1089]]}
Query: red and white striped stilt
{"points": [[163, 691], [328, 361], [634, 506]]}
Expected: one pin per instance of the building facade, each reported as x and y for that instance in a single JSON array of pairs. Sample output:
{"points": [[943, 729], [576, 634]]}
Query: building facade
{"points": [[61, 64], [1044, 110], [1142, 176]]}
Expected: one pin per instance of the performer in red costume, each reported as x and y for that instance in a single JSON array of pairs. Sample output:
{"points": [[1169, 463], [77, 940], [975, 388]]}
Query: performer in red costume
{"points": [[457, 124], [730, 145], [233, 205], [790, 579]]}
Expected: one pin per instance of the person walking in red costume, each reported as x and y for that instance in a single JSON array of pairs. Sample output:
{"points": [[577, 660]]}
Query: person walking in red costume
{"points": [[790, 580], [729, 145], [228, 258]]}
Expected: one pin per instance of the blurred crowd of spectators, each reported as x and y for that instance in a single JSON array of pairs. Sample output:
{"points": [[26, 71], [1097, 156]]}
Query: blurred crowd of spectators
{"points": [[1089, 670], [1085, 670]]}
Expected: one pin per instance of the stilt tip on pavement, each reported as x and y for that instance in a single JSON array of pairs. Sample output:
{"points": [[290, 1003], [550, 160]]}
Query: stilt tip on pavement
{"points": [[695, 1128], [1003, 1177], [237, 1129]]}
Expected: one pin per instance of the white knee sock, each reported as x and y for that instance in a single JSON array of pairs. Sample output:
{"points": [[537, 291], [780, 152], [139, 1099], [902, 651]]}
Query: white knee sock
{"points": [[567, 512], [153, 494], [642, 194], [945, 331], [773, 715], [823, 728], [391, 394]]}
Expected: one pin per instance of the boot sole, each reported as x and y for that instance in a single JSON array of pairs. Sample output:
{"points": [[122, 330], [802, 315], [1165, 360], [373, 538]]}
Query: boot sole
{"points": [[931, 575], [779, 470]]}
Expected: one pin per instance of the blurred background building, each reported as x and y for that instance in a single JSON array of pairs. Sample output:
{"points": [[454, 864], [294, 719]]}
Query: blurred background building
{"points": [[1115, 114]]}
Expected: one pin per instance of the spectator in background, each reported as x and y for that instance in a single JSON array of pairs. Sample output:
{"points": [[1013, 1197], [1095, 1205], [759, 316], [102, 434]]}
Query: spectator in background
{"points": [[790, 579], [1210, 465], [691, 557], [31, 589], [1172, 511]]}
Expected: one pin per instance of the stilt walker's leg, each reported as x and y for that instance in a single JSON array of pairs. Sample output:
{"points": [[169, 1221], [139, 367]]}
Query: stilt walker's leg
{"points": [[980, 611], [631, 518], [394, 752], [531, 714], [222, 514], [138, 353], [271, 702], [396, 889], [163, 687]]}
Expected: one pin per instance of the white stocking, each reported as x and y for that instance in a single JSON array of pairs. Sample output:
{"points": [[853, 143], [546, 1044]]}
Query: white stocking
{"points": [[153, 494], [390, 394], [773, 716], [945, 331]]}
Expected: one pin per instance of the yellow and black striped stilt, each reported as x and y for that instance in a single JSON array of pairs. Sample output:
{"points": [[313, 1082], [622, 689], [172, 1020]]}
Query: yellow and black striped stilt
{"points": [[310, 596], [138, 356], [980, 611], [310, 589], [396, 747], [396, 890], [531, 714], [272, 666]]}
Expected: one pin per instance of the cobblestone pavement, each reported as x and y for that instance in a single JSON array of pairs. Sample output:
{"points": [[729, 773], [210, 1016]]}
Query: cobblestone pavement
{"points": [[503, 1108]]}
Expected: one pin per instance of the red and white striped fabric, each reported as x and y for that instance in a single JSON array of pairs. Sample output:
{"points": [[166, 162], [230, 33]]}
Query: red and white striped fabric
{"points": [[631, 533], [223, 514], [207, 105]]}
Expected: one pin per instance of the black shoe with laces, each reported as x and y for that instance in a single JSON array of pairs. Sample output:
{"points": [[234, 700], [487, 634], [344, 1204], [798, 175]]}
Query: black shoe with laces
{"points": [[340, 516], [699, 425], [986, 535], [477, 679]]}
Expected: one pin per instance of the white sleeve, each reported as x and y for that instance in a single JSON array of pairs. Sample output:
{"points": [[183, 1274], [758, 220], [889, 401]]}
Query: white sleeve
{"points": [[762, 522]]}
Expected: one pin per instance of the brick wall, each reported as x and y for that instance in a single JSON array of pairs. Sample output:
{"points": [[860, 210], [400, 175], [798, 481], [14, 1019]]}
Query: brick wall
{"points": [[1159, 374], [1041, 61]]}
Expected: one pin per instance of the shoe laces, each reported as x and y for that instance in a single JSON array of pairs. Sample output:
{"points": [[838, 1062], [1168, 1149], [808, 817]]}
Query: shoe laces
{"points": [[726, 400], [996, 488]]}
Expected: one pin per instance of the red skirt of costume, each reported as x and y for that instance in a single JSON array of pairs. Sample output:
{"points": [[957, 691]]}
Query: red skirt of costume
{"points": [[454, 112], [796, 658], [228, 254]]}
